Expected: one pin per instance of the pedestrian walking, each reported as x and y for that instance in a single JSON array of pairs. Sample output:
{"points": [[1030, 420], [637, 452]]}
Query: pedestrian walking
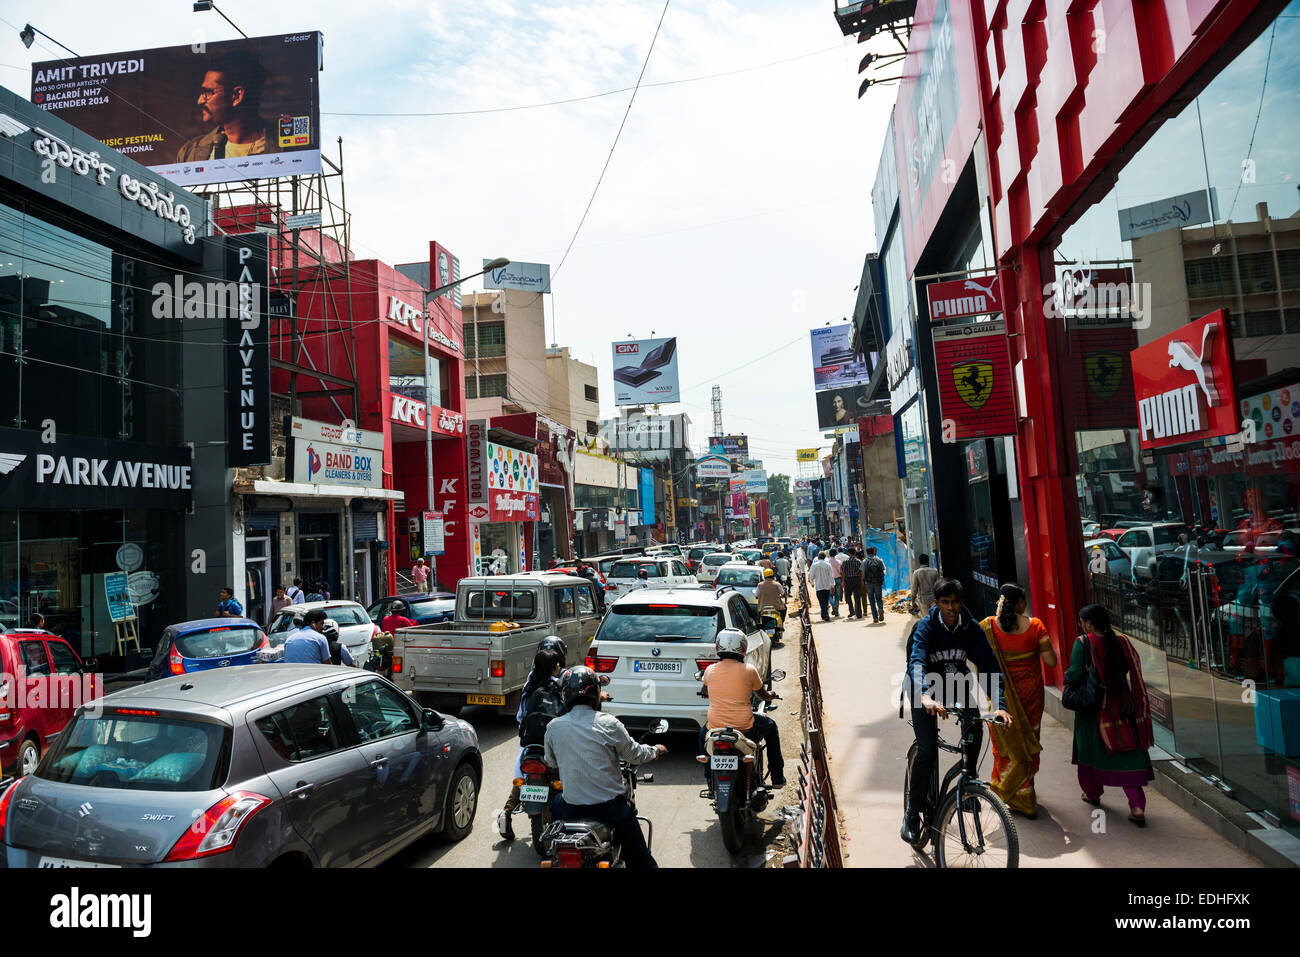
{"points": [[873, 580], [922, 586], [295, 592], [851, 573], [279, 602], [823, 582], [228, 606], [420, 575], [1111, 742], [1023, 647], [836, 591]]}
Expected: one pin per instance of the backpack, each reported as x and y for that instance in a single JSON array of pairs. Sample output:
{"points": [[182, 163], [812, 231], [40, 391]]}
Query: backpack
{"points": [[542, 707]]}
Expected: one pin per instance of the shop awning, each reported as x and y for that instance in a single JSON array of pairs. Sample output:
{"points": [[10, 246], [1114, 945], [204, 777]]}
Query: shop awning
{"points": [[262, 487]]}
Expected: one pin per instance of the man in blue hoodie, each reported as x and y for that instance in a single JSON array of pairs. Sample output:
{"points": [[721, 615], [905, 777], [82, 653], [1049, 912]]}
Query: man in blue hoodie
{"points": [[938, 651]]}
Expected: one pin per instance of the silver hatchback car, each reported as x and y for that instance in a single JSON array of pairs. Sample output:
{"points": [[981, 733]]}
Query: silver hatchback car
{"points": [[275, 765]]}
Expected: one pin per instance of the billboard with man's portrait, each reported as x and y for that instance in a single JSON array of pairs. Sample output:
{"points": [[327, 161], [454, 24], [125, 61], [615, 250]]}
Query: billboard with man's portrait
{"points": [[201, 113]]}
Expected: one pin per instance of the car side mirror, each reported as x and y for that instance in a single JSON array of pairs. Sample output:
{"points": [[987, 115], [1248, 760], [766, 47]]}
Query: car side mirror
{"points": [[433, 721]]}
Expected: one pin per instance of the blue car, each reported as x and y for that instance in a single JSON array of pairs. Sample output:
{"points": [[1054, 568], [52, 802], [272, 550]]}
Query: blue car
{"points": [[421, 608], [206, 643]]}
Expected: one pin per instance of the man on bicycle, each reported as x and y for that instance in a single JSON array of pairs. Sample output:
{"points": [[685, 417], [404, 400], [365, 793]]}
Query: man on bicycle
{"points": [[938, 652]]}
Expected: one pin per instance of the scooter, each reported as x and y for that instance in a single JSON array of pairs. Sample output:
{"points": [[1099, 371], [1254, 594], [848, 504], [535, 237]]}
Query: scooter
{"points": [[737, 776], [772, 621], [591, 843]]}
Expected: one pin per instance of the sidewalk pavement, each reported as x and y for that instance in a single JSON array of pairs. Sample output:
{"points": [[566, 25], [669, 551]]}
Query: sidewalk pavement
{"points": [[868, 743]]}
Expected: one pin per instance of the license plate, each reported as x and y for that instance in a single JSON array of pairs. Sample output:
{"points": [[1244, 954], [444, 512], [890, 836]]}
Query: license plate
{"points": [[496, 699], [725, 762], [656, 667], [533, 793], [68, 862]]}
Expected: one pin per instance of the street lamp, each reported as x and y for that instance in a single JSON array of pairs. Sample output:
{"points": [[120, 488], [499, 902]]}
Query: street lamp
{"points": [[28, 35], [201, 6], [428, 419]]}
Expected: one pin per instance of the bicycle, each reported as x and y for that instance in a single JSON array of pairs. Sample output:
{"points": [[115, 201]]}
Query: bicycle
{"points": [[984, 835]]}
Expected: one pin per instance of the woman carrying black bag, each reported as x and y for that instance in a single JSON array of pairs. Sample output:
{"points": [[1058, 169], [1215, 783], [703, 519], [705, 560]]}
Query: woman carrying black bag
{"points": [[1112, 725]]}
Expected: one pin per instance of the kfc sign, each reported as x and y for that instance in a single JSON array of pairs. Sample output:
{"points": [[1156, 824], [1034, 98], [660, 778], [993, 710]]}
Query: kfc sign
{"points": [[409, 411], [1183, 385], [961, 298], [404, 314]]}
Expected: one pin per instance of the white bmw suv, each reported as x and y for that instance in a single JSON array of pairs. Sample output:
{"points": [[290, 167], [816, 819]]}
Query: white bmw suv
{"points": [[654, 640]]}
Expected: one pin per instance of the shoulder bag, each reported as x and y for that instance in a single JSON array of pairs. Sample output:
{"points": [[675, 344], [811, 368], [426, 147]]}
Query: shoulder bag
{"points": [[1085, 695]]}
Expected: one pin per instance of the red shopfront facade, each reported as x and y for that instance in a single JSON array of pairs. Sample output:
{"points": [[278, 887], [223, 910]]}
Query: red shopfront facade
{"points": [[1158, 143], [386, 328]]}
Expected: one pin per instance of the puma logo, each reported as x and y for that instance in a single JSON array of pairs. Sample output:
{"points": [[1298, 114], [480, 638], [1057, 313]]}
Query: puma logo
{"points": [[972, 284], [1181, 356]]}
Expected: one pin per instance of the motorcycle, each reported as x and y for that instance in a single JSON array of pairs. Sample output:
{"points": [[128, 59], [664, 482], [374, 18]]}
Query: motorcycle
{"points": [[535, 792], [737, 785], [772, 621], [591, 843]]}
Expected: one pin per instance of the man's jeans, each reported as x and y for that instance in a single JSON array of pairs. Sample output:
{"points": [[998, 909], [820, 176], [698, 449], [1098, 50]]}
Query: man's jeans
{"points": [[877, 600], [823, 598], [835, 596], [926, 728], [763, 728], [618, 812], [853, 596]]}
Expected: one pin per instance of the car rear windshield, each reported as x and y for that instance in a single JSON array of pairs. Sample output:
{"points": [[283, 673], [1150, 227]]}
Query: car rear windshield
{"points": [[714, 560], [660, 622], [739, 576], [219, 642], [1168, 535], [435, 606], [630, 569], [144, 751], [493, 603], [348, 615]]}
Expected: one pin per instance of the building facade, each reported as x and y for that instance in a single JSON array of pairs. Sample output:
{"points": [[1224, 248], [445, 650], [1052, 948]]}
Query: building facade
{"points": [[1120, 178]]}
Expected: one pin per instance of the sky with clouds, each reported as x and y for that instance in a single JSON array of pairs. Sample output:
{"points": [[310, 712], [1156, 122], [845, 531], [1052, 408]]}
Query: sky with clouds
{"points": [[735, 212]]}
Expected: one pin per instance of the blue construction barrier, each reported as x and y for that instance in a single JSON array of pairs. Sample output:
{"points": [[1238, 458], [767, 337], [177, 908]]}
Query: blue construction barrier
{"points": [[898, 573]]}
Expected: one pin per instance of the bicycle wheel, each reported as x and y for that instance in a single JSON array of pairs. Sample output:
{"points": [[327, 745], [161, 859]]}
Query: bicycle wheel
{"points": [[999, 846], [924, 832]]}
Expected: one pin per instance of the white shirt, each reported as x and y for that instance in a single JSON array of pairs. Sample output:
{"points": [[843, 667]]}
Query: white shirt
{"points": [[823, 579]]}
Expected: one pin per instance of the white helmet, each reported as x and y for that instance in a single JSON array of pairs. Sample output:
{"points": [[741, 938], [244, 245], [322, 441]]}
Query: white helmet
{"points": [[730, 641]]}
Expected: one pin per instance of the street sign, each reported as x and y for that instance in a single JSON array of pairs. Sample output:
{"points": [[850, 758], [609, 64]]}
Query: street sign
{"points": [[434, 533]]}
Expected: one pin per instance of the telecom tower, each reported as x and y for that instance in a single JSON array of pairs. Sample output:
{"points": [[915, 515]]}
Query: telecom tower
{"points": [[717, 410]]}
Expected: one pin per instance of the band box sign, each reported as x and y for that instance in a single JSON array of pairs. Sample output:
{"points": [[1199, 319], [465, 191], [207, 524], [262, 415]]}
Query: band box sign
{"points": [[1183, 385], [248, 353], [962, 298], [325, 454], [974, 374]]}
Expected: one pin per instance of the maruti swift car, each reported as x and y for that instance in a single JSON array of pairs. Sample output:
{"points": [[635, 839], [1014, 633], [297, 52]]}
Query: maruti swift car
{"points": [[285, 765]]}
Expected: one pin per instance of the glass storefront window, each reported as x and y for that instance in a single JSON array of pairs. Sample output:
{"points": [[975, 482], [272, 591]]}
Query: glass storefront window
{"points": [[407, 375], [1205, 575]]}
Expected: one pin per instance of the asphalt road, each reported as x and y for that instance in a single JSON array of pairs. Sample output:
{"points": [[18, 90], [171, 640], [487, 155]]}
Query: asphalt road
{"points": [[685, 826]]}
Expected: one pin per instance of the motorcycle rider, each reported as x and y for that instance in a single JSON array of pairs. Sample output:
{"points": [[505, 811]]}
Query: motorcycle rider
{"points": [[771, 594], [585, 745], [730, 681], [543, 681]]}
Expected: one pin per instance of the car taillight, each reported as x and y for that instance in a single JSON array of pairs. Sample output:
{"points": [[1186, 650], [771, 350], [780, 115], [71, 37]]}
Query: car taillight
{"points": [[177, 662], [216, 831], [568, 856], [397, 664], [702, 663], [4, 804], [264, 643], [375, 633], [498, 666], [611, 588], [602, 666], [532, 766]]}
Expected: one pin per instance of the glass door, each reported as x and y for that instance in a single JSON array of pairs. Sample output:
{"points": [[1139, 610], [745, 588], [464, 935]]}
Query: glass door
{"points": [[257, 576]]}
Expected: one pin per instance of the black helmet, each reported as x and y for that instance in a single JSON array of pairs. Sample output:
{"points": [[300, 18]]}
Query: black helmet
{"points": [[556, 644], [580, 685]]}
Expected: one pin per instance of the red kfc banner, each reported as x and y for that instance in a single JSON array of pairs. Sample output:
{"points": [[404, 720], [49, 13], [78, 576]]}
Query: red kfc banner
{"points": [[962, 298], [974, 371], [1183, 385]]}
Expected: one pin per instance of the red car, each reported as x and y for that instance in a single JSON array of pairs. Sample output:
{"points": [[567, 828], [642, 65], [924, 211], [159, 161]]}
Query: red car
{"points": [[45, 681], [573, 570]]}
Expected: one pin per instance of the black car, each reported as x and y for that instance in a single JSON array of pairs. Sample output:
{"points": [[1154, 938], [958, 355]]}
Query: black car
{"points": [[423, 609]]}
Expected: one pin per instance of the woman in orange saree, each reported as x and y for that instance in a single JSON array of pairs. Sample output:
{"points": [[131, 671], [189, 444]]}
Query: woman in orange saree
{"points": [[1023, 647]]}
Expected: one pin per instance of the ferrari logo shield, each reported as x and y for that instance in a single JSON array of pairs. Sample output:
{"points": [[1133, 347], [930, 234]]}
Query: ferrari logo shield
{"points": [[974, 382], [1103, 370]]}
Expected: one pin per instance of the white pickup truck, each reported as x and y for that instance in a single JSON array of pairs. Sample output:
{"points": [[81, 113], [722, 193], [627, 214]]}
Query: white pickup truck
{"points": [[483, 656]]}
